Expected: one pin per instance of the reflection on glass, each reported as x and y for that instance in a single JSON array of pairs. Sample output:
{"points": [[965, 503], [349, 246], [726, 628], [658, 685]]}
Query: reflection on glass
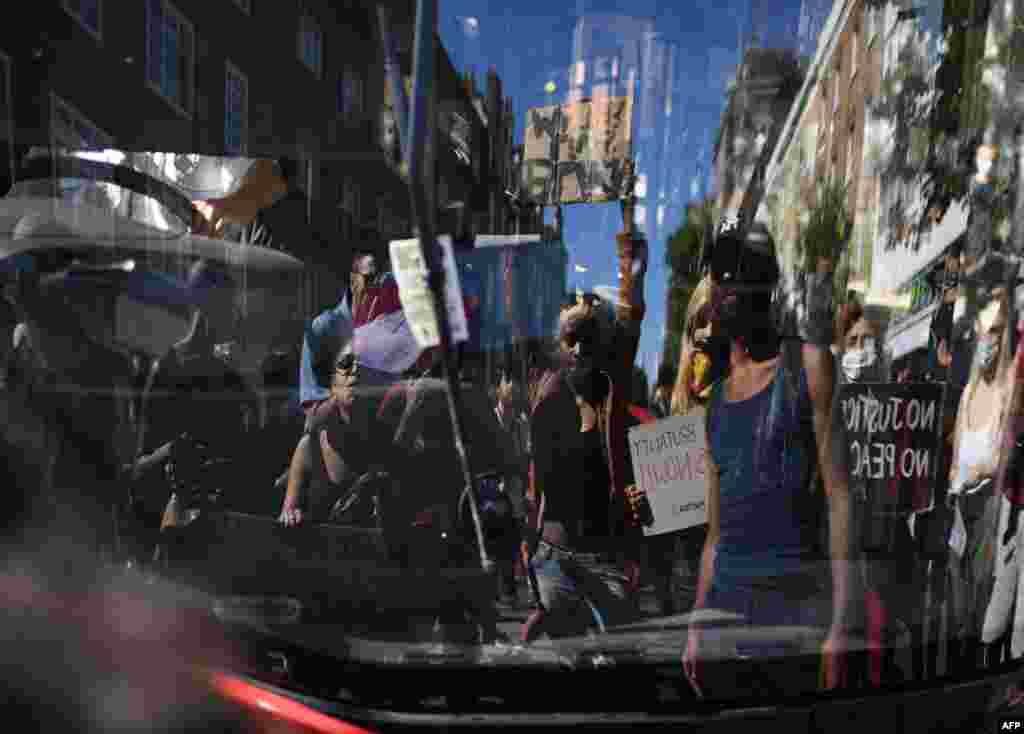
{"points": [[740, 383]]}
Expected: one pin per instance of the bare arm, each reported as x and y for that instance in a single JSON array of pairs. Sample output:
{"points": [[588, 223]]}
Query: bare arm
{"points": [[957, 429], [707, 558], [298, 478], [821, 381]]}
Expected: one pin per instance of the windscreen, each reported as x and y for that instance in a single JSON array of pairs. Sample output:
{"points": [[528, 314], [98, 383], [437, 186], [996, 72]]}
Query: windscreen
{"points": [[730, 386]]}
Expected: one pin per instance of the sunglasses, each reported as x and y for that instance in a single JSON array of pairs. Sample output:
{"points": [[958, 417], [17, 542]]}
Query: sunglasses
{"points": [[347, 364]]}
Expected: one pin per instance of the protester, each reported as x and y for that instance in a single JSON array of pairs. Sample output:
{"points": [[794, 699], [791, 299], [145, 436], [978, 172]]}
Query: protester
{"points": [[195, 403], [1011, 486], [368, 296], [584, 548], [510, 409], [72, 385], [978, 554], [888, 599], [348, 435], [669, 551], [767, 427]]}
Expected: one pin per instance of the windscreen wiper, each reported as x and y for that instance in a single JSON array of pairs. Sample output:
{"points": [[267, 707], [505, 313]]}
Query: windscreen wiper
{"points": [[413, 141]]}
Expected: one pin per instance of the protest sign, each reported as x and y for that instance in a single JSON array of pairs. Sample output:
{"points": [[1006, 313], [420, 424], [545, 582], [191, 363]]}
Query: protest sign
{"points": [[891, 443], [577, 152], [668, 464], [417, 301]]}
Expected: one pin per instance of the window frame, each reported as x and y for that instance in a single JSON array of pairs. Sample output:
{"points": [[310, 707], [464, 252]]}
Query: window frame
{"points": [[229, 70], [357, 110], [7, 70], [169, 7], [855, 60], [306, 15], [349, 200], [850, 149], [835, 91], [57, 101], [96, 33]]}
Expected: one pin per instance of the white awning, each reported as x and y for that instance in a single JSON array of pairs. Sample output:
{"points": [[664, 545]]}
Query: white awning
{"points": [[912, 334]]}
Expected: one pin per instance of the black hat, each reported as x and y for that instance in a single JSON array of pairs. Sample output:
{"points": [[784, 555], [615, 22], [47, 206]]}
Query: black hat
{"points": [[745, 258]]}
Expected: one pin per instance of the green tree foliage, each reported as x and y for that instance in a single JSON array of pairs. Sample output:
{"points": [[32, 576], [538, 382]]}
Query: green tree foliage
{"points": [[682, 257], [937, 116]]}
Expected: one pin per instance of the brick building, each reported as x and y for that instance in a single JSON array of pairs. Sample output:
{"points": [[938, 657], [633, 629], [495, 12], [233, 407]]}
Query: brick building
{"points": [[824, 140], [251, 78], [759, 99]]}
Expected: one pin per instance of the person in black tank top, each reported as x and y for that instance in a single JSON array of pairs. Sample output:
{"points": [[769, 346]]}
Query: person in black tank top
{"points": [[581, 562]]}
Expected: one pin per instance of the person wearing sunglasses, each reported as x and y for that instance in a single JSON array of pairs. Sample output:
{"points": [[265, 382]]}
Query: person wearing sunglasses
{"points": [[368, 296], [347, 435]]}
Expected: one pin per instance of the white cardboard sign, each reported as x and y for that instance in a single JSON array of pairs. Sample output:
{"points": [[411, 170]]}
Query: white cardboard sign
{"points": [[668, 464], [411, 274]]}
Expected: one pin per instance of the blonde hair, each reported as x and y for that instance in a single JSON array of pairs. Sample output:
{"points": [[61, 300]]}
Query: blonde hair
{"points": [[682, 399]]}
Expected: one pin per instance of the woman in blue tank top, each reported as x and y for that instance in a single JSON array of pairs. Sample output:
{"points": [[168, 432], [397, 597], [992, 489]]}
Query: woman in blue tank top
{"points": [[765, 532], [767, 432]]}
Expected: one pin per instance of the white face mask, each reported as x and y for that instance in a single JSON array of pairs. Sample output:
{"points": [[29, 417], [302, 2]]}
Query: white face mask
{"points": [[987, 351], [857, 362]]}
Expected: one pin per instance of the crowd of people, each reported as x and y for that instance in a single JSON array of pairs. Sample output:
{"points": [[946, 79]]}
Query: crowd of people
{"points": [[343, 429]]}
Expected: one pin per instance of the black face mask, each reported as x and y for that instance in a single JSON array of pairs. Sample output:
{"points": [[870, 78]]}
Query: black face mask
{"points": [[588, 382], [727, 312], [745, 317]]}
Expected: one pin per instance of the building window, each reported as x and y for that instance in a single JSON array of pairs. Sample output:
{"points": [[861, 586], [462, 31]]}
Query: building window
{"points": [[311, 42], [348, 202], [70, 130], [88, 14], [350, 94], [236, 111], [170, 54], [850, 167], [245, 5], [854, 53]]}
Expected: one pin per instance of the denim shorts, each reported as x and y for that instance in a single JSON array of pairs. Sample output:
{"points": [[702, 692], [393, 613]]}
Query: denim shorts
{"points": [[580, 591]]}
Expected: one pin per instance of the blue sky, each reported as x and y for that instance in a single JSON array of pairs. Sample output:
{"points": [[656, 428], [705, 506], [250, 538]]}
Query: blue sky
{"points": [[530, 42]]}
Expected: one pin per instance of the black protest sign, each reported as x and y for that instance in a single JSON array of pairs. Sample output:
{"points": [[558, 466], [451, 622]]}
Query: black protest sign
{"points": [[891, 441]]}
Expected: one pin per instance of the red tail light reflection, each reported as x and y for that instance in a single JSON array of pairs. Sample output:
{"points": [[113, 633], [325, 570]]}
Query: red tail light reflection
{"points": [[280, 707]]}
